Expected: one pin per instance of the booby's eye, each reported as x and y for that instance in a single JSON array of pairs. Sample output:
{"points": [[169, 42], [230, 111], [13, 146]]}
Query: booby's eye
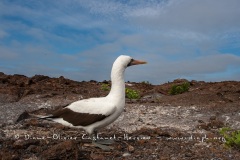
{"points": [[129, 64]]}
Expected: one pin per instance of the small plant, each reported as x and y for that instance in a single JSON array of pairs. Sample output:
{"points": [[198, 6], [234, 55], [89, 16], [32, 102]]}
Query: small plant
{"points": [[105, 87], [132, 94], [178, 89], [231, 137]]}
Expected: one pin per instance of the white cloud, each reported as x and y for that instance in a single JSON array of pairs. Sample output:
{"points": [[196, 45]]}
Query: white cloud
{"points": [[3, 34], [196, 16], [7, 54], [162, 70]]}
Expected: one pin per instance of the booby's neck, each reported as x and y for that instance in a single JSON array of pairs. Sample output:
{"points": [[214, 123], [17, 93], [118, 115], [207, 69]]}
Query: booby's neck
{"points": [[118, 84]]}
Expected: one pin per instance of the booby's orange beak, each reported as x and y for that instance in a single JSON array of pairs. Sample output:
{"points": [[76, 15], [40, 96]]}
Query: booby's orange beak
{"points": [[136, 62]]}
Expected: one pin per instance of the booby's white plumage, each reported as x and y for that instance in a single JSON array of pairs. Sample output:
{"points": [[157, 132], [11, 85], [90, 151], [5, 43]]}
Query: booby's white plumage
{"points": [[94, 113]]}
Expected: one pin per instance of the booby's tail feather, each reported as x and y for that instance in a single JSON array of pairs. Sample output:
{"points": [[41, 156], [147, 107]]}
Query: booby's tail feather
{"points": [[26, 115]]}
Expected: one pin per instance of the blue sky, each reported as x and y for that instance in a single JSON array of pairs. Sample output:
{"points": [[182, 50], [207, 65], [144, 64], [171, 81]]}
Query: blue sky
{"points": [[80, 39]]}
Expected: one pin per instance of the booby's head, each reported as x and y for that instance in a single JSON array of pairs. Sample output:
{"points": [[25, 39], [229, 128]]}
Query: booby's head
{"points": [[117, 76], [127, 61]]}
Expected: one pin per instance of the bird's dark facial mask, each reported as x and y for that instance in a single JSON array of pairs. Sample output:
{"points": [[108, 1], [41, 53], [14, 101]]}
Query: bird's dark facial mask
{"points": [[135, 62]]}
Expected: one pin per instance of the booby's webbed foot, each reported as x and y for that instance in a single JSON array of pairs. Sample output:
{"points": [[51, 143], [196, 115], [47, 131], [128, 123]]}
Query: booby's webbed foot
{"points": [[106, 141], [101, 143], [103, 147]]}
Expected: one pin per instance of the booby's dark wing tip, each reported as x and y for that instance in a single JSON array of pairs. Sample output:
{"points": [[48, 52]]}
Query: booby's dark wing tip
{"points": [[24, 115]]}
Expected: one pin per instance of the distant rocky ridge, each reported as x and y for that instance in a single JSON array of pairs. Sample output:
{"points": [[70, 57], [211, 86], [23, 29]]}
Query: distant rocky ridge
{"points": [[15, 87]]}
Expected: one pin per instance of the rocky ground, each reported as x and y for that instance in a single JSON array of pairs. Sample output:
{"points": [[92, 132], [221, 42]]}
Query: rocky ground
{"points": [[156, 126]]}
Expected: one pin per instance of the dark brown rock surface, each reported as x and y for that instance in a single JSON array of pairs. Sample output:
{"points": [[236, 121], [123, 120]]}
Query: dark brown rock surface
{"points": [[156, 126]]}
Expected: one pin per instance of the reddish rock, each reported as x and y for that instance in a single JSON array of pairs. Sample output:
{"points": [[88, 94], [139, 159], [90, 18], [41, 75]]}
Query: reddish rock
{"points": [[62, 150]]}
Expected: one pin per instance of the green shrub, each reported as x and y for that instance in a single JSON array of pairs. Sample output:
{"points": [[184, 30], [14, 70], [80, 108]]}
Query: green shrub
{"points": [[178, 89], [132, 94], [231, 137], [105, 87], [146, 82]]}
